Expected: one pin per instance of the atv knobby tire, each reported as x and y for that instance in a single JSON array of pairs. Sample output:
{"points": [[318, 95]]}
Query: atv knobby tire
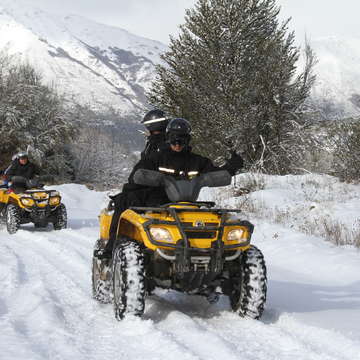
{"points": [[60, 218], [128, 279], [101, 278], [13, 218], [248, 294]]}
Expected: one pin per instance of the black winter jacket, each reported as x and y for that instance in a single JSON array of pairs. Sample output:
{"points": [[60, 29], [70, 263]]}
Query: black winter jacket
{"points": [[155, 144], [28, 170], [184, 163]]}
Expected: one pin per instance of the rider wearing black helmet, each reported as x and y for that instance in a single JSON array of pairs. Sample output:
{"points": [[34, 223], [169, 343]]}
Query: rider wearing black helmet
{"points": [[155, 122], [21, 166], [176, 159]]}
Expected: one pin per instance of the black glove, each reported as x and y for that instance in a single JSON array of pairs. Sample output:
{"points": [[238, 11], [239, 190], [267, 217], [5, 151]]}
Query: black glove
{"points": [[235, 163]]}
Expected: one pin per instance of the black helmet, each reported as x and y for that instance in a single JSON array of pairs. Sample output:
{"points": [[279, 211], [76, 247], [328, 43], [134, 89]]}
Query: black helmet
{"points": [[178, 131], [155, 120]]}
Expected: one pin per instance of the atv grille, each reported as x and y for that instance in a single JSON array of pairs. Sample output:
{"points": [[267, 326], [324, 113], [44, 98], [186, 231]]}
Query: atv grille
{"points": [[200, 234]]}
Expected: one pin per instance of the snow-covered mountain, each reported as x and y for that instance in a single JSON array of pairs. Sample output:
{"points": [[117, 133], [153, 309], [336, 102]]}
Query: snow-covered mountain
{"points": [[97, 64], [337, 87], [100, 65]]}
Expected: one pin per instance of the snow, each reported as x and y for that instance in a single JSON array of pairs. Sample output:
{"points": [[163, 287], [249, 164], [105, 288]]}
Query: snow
{"points": [[337, 71], [312, 309]]}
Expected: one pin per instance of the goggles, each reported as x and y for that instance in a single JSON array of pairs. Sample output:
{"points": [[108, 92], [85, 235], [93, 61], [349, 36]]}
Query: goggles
{"points": [[181, 140]]}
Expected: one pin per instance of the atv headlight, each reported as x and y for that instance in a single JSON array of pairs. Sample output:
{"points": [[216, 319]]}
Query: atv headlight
{"points": [[27, 201], [40, 195], [160, 234], [54, 200], [236, 235]]}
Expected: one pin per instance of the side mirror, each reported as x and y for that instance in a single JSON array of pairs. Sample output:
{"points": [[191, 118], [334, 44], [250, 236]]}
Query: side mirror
{"points": [[216, 178], [148, 177]]}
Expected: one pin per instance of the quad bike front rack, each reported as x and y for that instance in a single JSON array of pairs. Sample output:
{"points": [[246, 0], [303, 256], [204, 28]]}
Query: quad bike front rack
{"points": [[182, 250]]}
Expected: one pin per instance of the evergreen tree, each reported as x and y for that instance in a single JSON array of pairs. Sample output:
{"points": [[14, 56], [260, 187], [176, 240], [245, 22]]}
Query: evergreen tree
{"points": [[232, 73]]}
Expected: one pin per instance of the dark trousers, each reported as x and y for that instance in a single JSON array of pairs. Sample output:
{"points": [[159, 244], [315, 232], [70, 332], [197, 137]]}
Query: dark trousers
{"points": [[124, 200]]}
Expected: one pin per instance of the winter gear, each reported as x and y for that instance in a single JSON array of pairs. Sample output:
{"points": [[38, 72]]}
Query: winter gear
{"points": [[178, 132], [22, 155], [178, 126], [155, 120], [27, 170], [154, 143], [234, 164], [178, 164]]}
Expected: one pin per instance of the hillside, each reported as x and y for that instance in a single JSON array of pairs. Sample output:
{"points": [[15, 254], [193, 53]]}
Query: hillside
{"points": [[312, 310], [95, 64], [337, 88]]}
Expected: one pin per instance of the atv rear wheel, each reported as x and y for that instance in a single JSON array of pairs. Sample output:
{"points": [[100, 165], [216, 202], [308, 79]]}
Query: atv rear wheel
{"points": [[128, 279], [249, 288], [101, 278], [60, 218], [13, 218]]}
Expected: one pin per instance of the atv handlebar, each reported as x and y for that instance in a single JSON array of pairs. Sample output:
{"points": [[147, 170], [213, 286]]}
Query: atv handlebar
{"points": [[182, 189]]}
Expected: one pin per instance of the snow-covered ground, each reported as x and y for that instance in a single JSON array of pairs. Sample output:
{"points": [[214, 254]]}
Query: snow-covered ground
{"points": [[312, 311]]}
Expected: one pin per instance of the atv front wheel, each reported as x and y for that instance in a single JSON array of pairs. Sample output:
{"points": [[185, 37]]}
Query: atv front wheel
{"points": [[249, 288], [13, 218], [128, 279], [60, 218], [101, 278]]}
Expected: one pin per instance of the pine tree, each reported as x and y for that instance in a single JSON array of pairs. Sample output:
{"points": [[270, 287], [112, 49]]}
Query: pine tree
{"points": [[232, 73]]}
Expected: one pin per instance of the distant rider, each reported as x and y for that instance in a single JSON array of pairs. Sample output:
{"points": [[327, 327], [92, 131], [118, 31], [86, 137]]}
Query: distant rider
{"points": [[21, 166]]}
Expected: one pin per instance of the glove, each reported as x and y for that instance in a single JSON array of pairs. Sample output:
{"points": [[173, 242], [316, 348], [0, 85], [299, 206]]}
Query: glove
{"points": [[235, 163]]}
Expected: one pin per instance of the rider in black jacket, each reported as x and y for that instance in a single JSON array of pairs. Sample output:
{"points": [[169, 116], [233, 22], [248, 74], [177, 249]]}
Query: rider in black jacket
{"points": [[155, 122], [178, 160], [21, 166]]}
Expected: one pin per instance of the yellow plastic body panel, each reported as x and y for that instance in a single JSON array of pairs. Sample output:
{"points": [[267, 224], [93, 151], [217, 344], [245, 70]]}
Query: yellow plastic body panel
{"points": [[11, 197], [131, 225], [105, 221], [4, 196]]}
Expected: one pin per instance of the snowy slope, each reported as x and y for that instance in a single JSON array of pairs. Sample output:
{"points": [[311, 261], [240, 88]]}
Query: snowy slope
{"points": [[96, 64], [338, 75], [312, 311]]}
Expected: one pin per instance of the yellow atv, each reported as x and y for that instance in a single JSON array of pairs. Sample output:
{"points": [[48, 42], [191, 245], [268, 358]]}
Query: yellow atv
{"points": [[188, 246], [26, 201]]}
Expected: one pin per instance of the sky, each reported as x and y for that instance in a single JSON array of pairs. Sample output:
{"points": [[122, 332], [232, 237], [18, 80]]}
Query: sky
{"points": [[156, 19]]}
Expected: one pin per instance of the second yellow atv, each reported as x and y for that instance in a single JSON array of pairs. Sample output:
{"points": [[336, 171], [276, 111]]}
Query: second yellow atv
{"points": [[26, 201], [188, 246]]}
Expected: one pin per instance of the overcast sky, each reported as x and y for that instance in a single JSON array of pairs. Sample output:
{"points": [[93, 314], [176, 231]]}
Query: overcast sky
{"points": [[156, 19]]}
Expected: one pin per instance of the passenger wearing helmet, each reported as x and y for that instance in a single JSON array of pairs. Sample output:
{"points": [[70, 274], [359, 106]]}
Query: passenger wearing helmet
{"points": [[21, 166], [176, 159], [155, 122]]}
